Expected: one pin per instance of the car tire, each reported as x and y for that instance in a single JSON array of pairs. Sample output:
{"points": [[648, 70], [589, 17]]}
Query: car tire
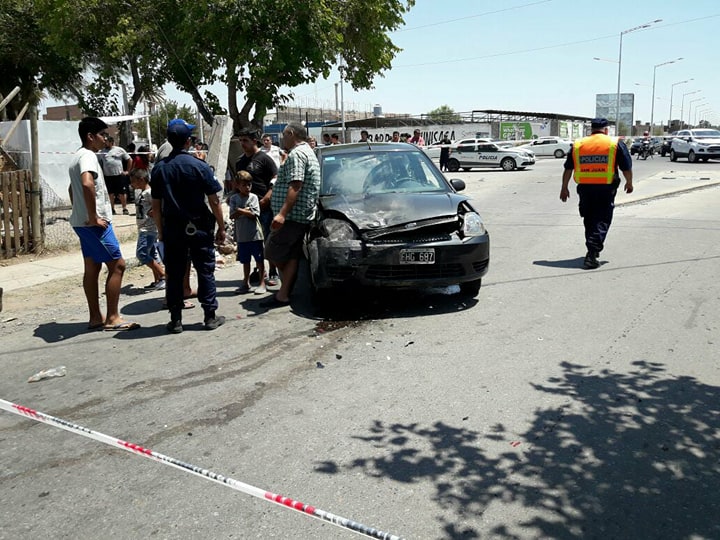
{"points": [[705, 159], [673, 155], [692, 158], [470, 288], [453, 165], [508, 164], [322, 298], [559, 154]]}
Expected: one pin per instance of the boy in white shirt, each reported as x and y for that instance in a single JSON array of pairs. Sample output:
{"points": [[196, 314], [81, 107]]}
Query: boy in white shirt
{"points": [[91, 218]]}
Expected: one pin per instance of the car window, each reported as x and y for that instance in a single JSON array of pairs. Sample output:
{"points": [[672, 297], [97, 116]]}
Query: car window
{"points": [[710, 133], [380, 172], [466, 148]]}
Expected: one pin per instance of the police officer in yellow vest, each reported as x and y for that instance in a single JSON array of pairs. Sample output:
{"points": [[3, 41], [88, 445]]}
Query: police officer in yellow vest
{"points": [[595, 161]]}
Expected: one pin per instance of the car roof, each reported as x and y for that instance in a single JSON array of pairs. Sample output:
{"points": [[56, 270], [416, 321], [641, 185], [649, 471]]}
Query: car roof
{"points": [[366, 146]]}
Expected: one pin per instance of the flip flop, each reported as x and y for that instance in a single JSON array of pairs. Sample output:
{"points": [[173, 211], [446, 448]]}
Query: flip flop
{"points": [[97, 326], [122, 327]]}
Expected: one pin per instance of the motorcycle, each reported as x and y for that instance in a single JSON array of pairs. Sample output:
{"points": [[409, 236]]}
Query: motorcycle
{"points": [[646, 149]]}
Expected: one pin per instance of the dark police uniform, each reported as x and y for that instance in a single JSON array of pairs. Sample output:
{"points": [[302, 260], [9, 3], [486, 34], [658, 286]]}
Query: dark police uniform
{"points": [[597, 201], [182, 182]]}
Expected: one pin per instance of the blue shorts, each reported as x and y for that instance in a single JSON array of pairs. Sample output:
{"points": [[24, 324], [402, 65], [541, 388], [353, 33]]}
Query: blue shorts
{"points": [[253, 249], [98, 244], [145, 250]]}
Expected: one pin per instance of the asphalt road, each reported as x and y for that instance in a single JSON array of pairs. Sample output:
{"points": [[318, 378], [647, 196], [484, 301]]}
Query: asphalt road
{"points": [[560, 403]]}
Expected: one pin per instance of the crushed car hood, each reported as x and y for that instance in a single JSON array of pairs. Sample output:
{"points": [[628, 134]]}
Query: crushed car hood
{"points": [[376, 211]]}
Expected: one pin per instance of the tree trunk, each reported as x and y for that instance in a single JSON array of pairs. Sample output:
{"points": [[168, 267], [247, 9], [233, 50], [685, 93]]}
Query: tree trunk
{"points": [[232, 98]]}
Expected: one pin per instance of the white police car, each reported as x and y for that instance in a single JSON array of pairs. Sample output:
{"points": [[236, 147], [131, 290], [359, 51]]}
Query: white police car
{"points": [[474, 153]]}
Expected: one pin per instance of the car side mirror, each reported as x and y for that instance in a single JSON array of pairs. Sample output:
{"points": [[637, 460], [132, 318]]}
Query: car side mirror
{"points": [[689, 139], [457, 184]]}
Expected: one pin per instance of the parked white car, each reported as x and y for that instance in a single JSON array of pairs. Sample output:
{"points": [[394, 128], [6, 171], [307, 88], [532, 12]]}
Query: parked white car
{"points": [[696, 145], [549, 146], [472, 153]]}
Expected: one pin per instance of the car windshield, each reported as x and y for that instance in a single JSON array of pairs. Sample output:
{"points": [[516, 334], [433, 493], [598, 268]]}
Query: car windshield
{"points": [[380, 172], [706, 134]]}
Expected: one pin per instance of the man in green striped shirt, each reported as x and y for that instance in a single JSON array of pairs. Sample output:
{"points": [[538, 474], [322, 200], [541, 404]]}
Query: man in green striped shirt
{"points": [[294, 204]]}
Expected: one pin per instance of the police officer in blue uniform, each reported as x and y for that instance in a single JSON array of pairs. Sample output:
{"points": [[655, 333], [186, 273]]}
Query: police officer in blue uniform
{"points": [[594, 162], [181, 184]]}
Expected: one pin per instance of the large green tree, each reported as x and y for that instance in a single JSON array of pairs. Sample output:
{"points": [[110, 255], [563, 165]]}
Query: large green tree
{"points": [[28, 60], [254, 48], [444, 115]]}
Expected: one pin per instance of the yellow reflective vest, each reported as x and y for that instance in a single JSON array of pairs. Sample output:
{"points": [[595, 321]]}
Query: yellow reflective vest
{"points": [[594, 159]]}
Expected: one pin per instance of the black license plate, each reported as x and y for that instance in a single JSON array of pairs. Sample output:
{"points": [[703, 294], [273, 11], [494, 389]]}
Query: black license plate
{"points": [[417, 256]]}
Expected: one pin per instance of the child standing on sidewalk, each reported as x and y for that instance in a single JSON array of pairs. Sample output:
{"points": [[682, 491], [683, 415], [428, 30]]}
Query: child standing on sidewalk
{"points": [[147, 230], [245, 210]]}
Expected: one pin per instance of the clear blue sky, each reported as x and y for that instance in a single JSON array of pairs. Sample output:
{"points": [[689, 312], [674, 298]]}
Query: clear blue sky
{"points": [[537, 55], [532, 55]]}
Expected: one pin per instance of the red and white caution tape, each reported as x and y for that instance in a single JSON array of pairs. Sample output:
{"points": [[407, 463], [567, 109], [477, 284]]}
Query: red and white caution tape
{"points": [[138, 450]]}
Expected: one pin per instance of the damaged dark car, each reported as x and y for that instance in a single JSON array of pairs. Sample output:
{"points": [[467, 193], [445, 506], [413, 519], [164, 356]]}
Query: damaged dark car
{"points": [[387, 217]]}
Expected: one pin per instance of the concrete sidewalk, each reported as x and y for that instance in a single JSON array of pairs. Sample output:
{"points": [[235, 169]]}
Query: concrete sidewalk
{"points": [[41, 270]]}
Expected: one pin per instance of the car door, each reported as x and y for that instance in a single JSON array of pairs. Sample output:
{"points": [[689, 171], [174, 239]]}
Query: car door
{"points": [[680, 143], [488, 155], [545, 147], [466, 154]]}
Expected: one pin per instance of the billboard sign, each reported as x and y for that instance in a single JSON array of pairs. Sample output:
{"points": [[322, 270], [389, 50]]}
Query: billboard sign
{"points": [[606, 107]]}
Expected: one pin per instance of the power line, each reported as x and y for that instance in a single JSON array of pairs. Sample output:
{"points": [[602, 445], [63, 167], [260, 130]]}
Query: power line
{"points": [[472, 16]]}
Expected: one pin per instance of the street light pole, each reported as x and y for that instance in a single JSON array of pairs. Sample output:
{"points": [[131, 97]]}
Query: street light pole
{"points": [[617, 101], [672, 88], [700, 111], [652, 105], [682, 106], [690, 107]]}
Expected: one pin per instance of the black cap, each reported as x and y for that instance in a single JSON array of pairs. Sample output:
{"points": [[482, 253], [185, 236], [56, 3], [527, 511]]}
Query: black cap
{"points": [[599, 123]]}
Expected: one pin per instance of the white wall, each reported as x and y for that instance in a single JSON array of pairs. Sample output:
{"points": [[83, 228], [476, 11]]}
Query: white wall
{"points": [[58, 141]]}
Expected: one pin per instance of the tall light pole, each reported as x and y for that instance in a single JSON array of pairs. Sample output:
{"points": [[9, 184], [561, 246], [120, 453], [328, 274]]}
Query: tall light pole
{"points": [[672, 87], [652, 106], [701, 111], [682, 105], [690, 107], [617, 102], [341, 69]]}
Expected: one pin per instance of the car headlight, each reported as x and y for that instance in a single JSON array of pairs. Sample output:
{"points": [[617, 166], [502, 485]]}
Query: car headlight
{"points": [[472, 224], [337, 229]]}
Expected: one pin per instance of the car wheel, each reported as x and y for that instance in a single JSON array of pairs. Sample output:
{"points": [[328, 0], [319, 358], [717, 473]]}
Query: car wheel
{"points": [[508, 164], [453, 165], [673, 155], [705, 159], [691, 157], [322, 298], [559, 153], [471, 288]]}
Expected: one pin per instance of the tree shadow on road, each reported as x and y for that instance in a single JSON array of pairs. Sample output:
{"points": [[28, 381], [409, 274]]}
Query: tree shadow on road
{"points": [[627, 455]]}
